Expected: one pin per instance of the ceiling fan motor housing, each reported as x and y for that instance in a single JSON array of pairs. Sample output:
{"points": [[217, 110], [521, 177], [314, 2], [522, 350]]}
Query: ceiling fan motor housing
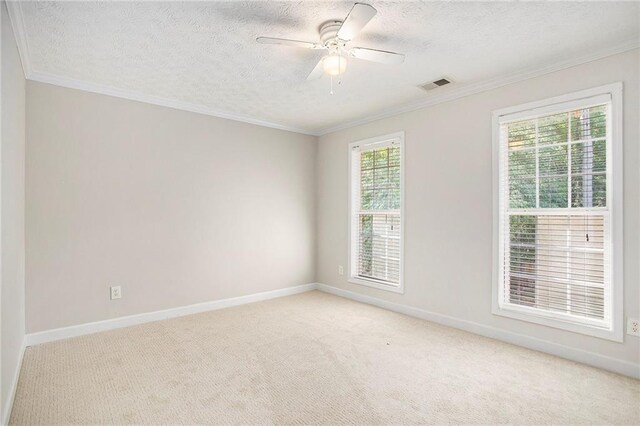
{"points": [[329, 32]]}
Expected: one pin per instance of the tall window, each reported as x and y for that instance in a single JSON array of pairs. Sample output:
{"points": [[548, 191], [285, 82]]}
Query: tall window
{"points": [[557, 196], [376, 212]]}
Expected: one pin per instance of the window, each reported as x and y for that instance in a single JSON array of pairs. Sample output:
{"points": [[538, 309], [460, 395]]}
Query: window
{"points": [[376, 224], [559, 212]]}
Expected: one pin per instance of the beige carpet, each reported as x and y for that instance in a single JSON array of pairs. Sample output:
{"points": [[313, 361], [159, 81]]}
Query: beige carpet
{"points": [[310, 359]]}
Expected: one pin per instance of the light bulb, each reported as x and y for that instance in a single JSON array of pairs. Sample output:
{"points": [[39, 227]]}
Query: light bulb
{"points": [[334, 64]]}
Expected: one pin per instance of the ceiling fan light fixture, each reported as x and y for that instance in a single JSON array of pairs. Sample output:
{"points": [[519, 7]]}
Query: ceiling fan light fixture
{"points": [[334, 64]]}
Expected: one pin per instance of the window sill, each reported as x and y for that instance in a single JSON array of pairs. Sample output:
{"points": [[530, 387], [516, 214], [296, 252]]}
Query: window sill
{"points": [[380, 285], [550, 320]]}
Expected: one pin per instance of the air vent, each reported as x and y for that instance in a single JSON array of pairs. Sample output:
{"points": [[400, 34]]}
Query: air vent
{"points": [[435, 84]]}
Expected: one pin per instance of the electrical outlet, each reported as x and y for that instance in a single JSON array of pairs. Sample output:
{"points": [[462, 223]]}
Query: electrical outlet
{"points": [[633, 326], [116, 292], [340, 270]]}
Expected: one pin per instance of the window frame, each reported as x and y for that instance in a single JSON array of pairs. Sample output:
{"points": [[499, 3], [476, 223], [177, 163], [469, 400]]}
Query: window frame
{"points": [[353, 277], [615, 330]]}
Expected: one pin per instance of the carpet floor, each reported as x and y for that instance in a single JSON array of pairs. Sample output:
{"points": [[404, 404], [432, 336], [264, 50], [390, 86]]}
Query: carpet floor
{"points": [[311, 358]]}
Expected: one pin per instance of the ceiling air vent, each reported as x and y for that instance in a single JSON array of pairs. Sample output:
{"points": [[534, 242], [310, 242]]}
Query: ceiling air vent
{"points": [[435, 84]]}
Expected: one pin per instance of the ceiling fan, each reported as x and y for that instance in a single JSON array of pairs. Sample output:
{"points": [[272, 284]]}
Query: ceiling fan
{"points": [[334, 37]]}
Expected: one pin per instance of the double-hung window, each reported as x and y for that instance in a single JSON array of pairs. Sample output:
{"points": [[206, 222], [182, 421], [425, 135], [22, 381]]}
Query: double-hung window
{"points": [[559, 211], [376, 224]]}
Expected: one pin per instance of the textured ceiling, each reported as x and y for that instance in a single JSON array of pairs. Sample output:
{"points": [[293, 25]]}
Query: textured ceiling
{"points": [[205, 53]]}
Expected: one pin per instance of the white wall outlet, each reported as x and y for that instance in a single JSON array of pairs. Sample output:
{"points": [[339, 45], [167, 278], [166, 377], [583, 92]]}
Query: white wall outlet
{"points": [[340, 270], [116, 292], [633, 326]]}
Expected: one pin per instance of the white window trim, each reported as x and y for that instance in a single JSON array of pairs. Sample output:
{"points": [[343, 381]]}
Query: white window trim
{"points": [[354, 180], [616, 331]]}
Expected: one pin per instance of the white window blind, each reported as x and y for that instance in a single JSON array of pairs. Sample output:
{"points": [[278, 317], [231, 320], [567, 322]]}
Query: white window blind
{"points": [[376, 220], [555, 198]]}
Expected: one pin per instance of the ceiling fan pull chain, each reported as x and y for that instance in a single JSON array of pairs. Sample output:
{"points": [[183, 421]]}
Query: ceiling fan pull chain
{"points": [[331, 92]]}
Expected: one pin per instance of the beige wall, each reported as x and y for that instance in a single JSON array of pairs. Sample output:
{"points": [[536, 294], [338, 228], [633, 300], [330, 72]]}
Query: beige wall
{"points": [[12, 209], [175, 207], [180, 208], [448, 202]]}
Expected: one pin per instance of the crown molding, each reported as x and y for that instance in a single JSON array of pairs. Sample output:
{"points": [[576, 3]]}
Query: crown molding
{"points": [[19, 32], [485, 85], [17, 21], [157, 100]]}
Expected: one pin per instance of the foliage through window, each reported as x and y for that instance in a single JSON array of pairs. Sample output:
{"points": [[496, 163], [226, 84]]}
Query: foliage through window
{"points": [[555, 221], [376, 212]]}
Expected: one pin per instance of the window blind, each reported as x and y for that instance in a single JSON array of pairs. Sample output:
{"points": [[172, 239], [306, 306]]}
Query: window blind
{"points": [[376, 242], [554, 213]]}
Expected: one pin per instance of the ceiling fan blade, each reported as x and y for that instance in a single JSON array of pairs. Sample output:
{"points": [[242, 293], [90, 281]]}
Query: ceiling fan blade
{"points": [[359, 16], [287, 42], [317, 71], [374, 55]]}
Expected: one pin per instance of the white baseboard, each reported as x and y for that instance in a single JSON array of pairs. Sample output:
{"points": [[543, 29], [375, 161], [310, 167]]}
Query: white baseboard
{"points": [[601, 361], [120, 322], [8, 403], [596, 360]]}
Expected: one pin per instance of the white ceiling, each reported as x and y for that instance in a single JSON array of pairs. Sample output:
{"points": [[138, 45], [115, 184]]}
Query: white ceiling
{"points": [[203, 55]]}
